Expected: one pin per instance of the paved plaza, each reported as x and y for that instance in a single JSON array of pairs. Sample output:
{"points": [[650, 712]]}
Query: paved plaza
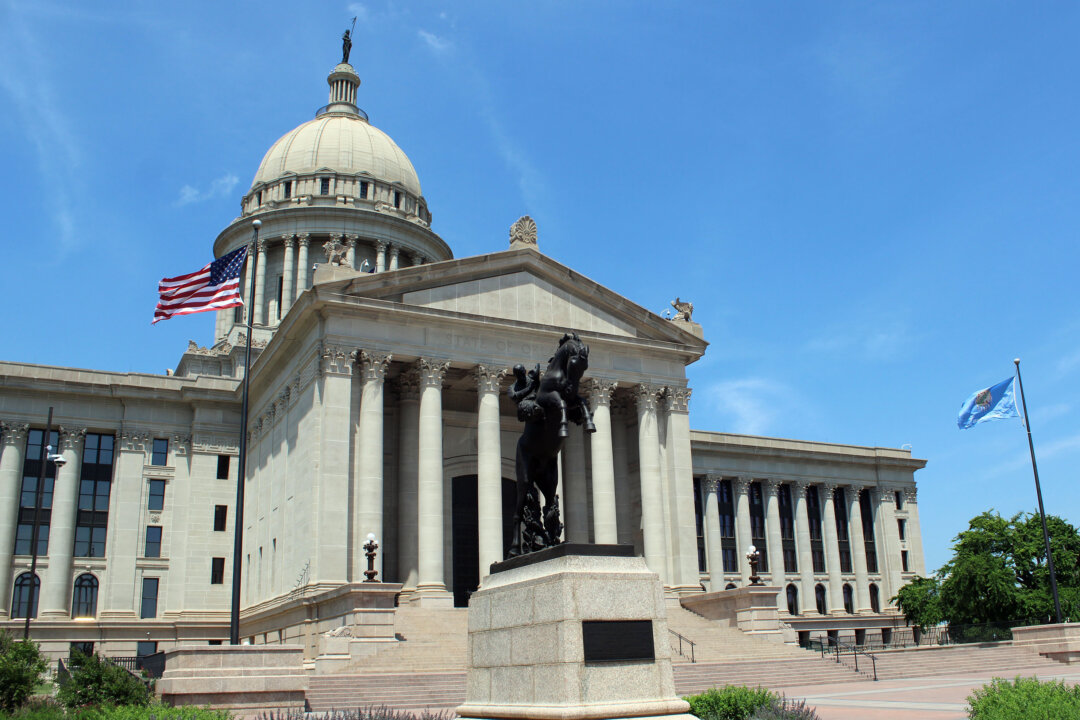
{"points": [[941, 697]]}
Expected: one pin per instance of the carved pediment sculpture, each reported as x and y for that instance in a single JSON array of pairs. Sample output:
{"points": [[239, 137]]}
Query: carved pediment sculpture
{"points": [[523, 233], [336, 251], [683, 310]]}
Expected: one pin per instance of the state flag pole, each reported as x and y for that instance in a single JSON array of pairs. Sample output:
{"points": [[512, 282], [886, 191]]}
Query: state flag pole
{"points": [[241, 470], [1038, 492]]}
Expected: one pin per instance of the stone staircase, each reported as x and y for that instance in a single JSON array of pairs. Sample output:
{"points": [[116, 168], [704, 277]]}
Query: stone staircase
{"points": [[399, 691], [432, 641], [716, 643], [996, 658]]}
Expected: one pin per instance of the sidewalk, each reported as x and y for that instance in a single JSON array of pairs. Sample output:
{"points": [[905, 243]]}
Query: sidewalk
{"points": [[942, 697]]}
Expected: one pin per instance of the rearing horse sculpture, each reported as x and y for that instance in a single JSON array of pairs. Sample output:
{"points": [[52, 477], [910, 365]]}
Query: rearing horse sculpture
{"points": [[547, 402]]}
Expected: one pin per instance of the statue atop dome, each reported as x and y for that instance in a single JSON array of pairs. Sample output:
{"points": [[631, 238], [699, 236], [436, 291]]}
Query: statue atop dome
{"points": [[346, 43]]}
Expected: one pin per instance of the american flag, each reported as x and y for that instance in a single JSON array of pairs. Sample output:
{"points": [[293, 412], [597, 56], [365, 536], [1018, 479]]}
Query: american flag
{"points": [[214, 287]]}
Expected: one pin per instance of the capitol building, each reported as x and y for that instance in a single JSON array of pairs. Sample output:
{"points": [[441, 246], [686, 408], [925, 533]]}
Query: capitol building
{"points": [[378, 406]]}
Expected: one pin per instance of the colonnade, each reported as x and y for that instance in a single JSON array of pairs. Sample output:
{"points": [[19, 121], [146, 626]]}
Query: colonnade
{"points": [[666, 483], [888, 574], [297, 263]]}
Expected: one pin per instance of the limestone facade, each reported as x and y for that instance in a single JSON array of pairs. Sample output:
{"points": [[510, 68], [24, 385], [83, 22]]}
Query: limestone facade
{"points": [[378, 405]]}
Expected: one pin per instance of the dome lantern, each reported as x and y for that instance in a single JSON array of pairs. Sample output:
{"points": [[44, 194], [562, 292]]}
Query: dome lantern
{"points": [[343, 81]]}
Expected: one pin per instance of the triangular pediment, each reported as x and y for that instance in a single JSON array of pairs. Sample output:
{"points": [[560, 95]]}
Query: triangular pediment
{"points": [[520, 286]]}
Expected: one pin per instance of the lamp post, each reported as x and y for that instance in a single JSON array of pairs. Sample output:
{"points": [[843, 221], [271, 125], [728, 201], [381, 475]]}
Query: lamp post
{"points": [[754, 557], [46, 455], [370, 547]]}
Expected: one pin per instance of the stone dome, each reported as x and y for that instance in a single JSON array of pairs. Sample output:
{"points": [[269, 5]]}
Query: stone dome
{"points": [[342, 142]]}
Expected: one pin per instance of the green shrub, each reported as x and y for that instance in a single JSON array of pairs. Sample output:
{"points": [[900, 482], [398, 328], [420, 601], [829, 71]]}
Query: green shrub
{"points": [[1024, 698], [156, 711], [732, 702], [95, 681], [21, 666], [38, 708], [784, 709]]}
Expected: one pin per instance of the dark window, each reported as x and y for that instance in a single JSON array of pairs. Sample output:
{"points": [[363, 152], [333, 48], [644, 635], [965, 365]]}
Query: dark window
{"points": [[901, 528], [149, 597], [791, 560], [324, 186], [221, 512], [146, 647], [792, 600], [28, 496], [153, 542], [215, 642], [731, 562], [397, 199], [818, 556], [222, 467], [849, 600], [899, 498], [363, 189], [160, 455], [258, 198], [729, 586], [217, 571], [699, 524], [86, 648], [757, 525], [875, 603], [903, 560], [20, 599], [288, 189], [842, 535], [156, 499], [84, 597], [787, 529], [813, 513], [819, 598], [95, 487], [867, 510]]}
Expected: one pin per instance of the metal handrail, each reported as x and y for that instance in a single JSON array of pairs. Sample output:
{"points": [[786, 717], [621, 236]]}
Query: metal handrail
{"points": [[687, 640], [855, 651]]}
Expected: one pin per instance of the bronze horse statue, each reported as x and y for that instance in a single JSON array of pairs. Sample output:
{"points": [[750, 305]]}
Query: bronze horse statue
{"points": [[547, 402]]}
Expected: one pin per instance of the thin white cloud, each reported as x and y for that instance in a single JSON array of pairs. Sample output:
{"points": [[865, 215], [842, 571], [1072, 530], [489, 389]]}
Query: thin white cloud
{"points": [[871, 342], [219, 188], [25, 80], [751, 406], [437, 44], [358, 10]]}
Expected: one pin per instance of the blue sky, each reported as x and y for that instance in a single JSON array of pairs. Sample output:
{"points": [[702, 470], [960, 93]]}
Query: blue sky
{"points": [[872, 206]]}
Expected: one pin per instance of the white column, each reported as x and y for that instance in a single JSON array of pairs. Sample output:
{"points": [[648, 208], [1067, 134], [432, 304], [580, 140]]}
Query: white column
{"points": [[888, 545], [914, 533], [686, 578], [395, 252], [417, 258], [575, 501], [303, 274], [368, 517], [408, 454], [380, 256], [57, 585], [807, 602], [835, 604], [288, 281], [246, 289], [858, 549], [605, 516], [351, 242], [775, 545], [431, 582], [13, 439], [620, 449], [120, 589], [652, 500], [713, 544], [743, 540], [489, 467], [260, 286]]}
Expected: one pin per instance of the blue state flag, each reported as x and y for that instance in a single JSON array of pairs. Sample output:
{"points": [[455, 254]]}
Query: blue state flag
{"points": [[992, 403]]}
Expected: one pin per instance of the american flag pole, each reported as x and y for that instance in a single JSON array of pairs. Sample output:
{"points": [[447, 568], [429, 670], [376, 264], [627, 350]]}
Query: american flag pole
{"points": [[241, 470]]}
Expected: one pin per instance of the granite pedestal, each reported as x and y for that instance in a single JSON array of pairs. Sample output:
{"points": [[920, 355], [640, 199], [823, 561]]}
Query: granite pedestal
{"points": [[569, 633]]}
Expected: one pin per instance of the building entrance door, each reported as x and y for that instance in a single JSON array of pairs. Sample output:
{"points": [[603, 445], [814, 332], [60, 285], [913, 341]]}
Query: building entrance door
{"points": [[465, 533]]}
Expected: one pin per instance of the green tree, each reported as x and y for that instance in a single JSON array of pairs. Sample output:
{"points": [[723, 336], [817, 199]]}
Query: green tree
{"points": [[95, 681], [998, 574], [920, 601], [21, 667]]}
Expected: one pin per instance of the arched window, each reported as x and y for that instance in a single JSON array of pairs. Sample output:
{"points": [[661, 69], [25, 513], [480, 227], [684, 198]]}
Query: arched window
{"points": [[20, 601], [819, 596], [792, 600], [84, 597], [729, 586], [849, 600], [875, 603]]}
